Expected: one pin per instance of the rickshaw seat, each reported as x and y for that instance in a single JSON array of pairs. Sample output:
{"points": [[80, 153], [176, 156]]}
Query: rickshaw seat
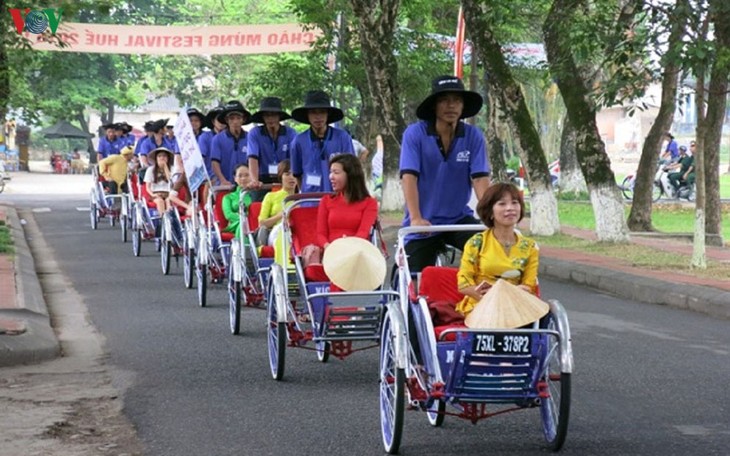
{"points": [[253, 215], [439, 287], [267, 251], [303, 226], [148, 198]]}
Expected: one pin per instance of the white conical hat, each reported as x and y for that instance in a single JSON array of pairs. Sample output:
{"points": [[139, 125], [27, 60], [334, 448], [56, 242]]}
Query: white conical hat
{"points": [[506, 306], [354, 264]]}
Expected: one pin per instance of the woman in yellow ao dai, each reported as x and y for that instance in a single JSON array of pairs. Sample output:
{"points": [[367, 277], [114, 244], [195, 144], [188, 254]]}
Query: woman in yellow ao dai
{"points": [[498, 252]]}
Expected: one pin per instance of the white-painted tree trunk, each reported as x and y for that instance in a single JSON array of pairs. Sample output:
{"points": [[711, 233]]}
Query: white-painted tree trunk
{"points": [[608, 209], [572, 181], [699, 258], [393, 199], [543, 213]]}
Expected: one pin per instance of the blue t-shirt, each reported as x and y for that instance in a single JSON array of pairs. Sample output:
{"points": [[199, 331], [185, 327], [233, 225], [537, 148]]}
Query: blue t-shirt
{"points": [[267, 151], [310, 157], [107, 148], [150, 145], [444, 179], [204, 142], [673, 149], [229, 152], [140, 143]]}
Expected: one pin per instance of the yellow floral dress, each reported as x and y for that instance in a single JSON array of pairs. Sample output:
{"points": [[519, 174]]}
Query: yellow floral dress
{"points": [[485, 259]]}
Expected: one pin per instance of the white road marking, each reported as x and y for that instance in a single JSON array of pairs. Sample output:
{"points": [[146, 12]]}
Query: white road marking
{"points": [[42, 209], [83, 209]]}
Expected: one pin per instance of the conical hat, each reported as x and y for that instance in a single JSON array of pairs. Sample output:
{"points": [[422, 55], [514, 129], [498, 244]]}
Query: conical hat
{"points": [[354, 264], [506, 306]]}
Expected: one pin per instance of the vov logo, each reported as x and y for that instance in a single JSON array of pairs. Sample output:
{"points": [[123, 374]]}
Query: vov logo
{"points": [[36, 21]]}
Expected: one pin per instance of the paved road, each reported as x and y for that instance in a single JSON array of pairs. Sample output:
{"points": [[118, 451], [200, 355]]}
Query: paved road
{"points": [[649, 380]]}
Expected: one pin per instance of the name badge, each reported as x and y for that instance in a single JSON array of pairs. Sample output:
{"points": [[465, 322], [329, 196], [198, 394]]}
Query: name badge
{"points": [[313, 180], [273, 169]]}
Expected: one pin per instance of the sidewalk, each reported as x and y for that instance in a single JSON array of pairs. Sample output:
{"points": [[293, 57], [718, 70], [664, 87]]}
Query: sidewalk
{"points": [[26, 335]]}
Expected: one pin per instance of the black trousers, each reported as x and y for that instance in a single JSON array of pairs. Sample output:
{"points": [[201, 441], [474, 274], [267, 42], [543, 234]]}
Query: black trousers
{"points": [[423, 252]]}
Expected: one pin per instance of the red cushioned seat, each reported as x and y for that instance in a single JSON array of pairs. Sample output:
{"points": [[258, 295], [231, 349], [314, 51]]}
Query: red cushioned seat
{"points": [[227, 236], [267, 251], [147, 197], [440, 289], [315, 273], [253, 215]]}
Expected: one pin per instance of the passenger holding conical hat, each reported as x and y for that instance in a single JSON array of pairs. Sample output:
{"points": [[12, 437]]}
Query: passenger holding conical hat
{"points": [[441, 160], [268, 144], [312, 149], [500, 252], [228, 148]]}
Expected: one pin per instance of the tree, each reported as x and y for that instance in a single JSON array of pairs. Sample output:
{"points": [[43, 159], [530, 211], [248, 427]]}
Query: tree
{"points": [[671, 62], [543, 205], [562, 41]]}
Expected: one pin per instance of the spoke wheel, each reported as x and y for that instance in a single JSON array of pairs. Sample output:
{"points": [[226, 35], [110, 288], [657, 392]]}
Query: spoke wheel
{"points": [[656, 192], [323, 351], [94, 215], [627, 187], [276, 331], [136, 242], [165, 255], [188, 266], [202, 276], [436, 413], [555, 409], [234, 304], [124, 223], [392, 391]]}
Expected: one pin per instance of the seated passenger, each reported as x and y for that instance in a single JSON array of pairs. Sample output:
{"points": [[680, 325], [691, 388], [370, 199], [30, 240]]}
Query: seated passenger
{"points": [[114, 169], [349, 211], [272, 207], [230, 202], [158, 177], [500, 252]]}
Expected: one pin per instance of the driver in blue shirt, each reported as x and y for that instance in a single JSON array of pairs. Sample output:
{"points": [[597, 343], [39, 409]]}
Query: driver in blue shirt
{"points": [[205, 140], [228, 148], [311, 150], [441, 160]]}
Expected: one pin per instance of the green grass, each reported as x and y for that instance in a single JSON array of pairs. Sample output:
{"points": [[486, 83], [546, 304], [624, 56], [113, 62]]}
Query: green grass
{"points": [[667, 218], [6, 243]]}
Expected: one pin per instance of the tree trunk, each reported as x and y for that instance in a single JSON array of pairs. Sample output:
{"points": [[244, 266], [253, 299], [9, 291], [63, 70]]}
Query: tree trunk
{"points": [[591, 151], [640, 215], [376, 28], [699, 259], [716, 107], [495, 145], [543, 205], [571, 177]]}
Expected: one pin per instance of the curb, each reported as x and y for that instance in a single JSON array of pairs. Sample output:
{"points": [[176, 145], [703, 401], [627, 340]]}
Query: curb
{"points": [[38, 343], [707, 300]]}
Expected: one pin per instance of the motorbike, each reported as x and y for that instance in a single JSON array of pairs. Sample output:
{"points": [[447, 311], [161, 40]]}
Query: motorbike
{"points": [[660, 188]]}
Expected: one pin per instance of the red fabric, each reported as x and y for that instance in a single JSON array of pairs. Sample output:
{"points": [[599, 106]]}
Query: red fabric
{"points": [[449, 337], [148, 198], [267, 251], [440, 284], [218, 211], [303, 231], [315, 273], [133, 182], [253, 215], [336, 218], [226, 236]]}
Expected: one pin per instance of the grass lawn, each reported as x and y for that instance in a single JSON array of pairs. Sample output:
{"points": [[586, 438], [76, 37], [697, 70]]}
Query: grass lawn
{"points": [[6, 244], [667, 218]]}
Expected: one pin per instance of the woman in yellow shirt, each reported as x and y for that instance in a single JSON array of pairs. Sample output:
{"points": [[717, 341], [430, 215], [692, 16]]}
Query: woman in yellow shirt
{"points": [[272, 207], [500, 252]]}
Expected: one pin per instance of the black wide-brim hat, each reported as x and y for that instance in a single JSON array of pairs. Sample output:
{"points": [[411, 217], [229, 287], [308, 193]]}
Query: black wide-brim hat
{"points": [[234, 106], [316, 99], [158, 125], [213, 114], [123, 126], [192, 112], [152, 156], [449, 84], [108, 126], [272, 105]]}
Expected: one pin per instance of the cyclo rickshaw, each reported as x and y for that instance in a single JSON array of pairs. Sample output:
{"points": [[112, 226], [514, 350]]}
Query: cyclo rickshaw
{"points": [[468, 369], [143, 215], [249, 268], [213, 244], [302, 308], [102, 204]]}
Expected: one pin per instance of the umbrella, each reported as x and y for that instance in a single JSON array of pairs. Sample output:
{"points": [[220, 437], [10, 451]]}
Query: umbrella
{"points": [[63, 129]]}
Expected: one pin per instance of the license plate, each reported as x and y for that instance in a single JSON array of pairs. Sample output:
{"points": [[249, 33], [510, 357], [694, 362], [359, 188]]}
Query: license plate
{"points": [[501, 344]]}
